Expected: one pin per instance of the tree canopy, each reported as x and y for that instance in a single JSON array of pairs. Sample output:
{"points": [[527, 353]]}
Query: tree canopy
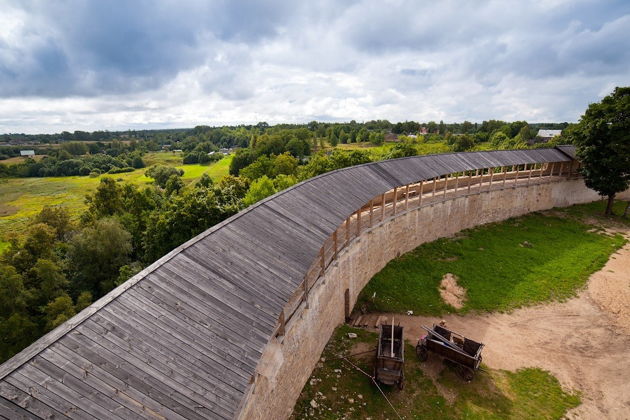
{"points": [[602, 141]]}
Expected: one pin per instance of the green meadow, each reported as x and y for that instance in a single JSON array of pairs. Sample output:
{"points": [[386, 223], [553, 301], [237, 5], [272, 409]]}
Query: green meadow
{"points": [[523, 261], [23, 198]]}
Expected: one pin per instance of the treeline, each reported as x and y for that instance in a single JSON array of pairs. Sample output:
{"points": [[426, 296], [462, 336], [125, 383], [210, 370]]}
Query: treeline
{"points": [[76, 158]]}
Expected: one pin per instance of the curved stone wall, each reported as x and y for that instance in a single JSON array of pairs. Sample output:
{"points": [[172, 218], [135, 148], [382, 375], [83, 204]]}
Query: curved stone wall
{"points": [[288, 360]]}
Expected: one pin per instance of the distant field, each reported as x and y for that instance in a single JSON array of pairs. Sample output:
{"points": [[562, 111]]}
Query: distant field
{"points": [[379, 152], [22, 198]]}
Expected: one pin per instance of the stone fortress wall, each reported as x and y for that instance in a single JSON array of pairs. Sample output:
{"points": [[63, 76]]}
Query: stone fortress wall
{"points": [[289, 359]]}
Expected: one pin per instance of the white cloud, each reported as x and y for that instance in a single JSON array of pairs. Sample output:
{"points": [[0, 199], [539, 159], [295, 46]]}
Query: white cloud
{"points": [[149, 64]]}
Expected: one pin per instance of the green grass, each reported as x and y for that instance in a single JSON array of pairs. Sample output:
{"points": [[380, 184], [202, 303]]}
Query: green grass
{"points": [[23, 198], [493, 394], [491, 263]]}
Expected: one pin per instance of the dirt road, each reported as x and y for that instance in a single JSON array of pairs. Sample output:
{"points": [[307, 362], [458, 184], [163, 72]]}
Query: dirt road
{"points": [[584, 342]]}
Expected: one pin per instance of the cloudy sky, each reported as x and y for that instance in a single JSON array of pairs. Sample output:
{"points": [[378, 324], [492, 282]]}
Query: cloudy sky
{"points": [[118, 64]]}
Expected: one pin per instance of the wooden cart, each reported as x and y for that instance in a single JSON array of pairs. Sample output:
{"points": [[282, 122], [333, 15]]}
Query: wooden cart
{"points": [[464, 352], [390, 356]]}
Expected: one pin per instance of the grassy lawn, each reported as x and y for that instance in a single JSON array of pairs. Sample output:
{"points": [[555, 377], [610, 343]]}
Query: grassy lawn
{"points": [[341, 391], [522, 261], [23, 198]]}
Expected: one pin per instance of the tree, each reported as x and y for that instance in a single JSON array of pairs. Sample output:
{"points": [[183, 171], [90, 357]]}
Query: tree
{"points": [[107, 200], [47, 281], [174, 184], [205, 181], [261, 188], [463, 142], [185, 216], [161, 174], [334, 140], [58, 311], [97, 253], [56, 217], [602, 141], [260, 167], [284, 164]]}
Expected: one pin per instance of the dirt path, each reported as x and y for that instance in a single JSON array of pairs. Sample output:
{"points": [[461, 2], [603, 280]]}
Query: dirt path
{"points": [[584, 342]]}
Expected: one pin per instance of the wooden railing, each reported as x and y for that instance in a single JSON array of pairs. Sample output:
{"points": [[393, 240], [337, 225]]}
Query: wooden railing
{"points": [[412, 196]]}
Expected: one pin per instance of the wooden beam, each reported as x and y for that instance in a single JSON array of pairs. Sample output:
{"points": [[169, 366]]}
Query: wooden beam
{"points": [[445, 184], [491, 177], [371, 211], [382, 207], [395, 200], [529, 177], [335, 244], [305, 295], [516, 176], [434, 184], [322, 261], [421, 193], [456, 182], [281, 321], [469, 180], [407, 197], [359, 222], [347, 231]]}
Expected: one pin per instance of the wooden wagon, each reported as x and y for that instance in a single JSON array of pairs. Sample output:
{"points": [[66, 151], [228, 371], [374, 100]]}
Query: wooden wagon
{"points": [[390, 356], [463, 352]]}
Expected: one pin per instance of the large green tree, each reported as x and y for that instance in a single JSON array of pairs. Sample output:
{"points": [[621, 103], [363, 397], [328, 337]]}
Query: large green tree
{"points": [[602, 141]]}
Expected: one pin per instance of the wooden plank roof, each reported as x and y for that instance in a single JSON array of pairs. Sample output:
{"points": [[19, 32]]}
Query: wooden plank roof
{"points": [[183, 337]]}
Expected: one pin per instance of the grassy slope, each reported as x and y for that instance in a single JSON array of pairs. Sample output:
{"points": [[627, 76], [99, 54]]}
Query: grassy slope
{"points": [[22, 198], [493, 394], [493, 266]]}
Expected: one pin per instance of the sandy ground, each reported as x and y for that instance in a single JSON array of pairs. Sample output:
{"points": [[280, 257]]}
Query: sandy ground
{"points": [[451, 292], [584, 342]]}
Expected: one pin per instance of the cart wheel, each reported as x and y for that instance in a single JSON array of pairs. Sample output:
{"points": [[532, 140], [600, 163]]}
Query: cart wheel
{"points": [[422, 353], [401, 384]]}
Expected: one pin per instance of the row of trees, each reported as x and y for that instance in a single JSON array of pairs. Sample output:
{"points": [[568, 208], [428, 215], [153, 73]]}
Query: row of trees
{"points": [[64, 164]]}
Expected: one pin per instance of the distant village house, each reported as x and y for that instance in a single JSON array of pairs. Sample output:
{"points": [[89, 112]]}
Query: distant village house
{"points": [[27, 153], [544, 136]]}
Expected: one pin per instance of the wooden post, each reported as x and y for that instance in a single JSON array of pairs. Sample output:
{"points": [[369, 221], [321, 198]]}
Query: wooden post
{"points": [[434, 185], [491, 176], [445, 184], [282, 323], [371, 211], [456, 182], [553, 166], [322, 261], [469, 180], [395, 199], [335, 244], [347, 231], [407, 197], [529, 177], [541, 170], [382, 206], [516, 176], [504, 169], [358, 222], [421, 193], [305, 296]]}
